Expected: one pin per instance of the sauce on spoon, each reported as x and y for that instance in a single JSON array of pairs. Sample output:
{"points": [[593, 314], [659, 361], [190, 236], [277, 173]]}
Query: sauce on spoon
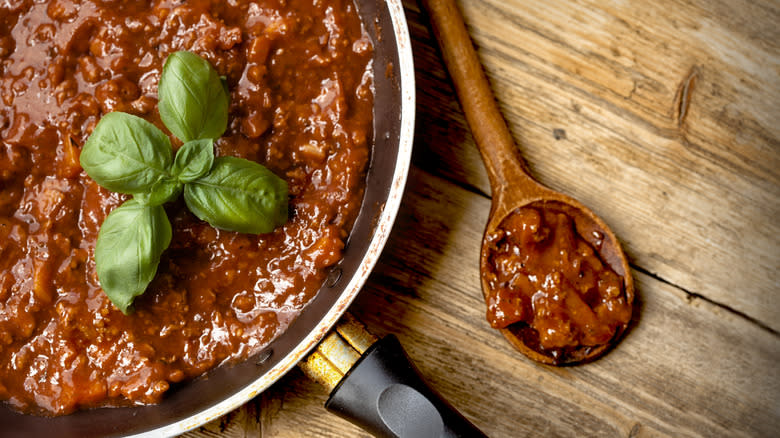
{"points": [[546, 278]]}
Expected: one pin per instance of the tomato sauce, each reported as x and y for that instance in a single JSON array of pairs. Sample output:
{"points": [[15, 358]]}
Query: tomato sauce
{"points": [[551, 287], [300, 80]]}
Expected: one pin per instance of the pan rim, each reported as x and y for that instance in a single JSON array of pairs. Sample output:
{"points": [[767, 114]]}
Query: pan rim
{"points": [[384, 225]]}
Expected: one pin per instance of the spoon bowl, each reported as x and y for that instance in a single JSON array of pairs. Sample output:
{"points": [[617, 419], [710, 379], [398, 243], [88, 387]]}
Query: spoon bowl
{"points": [[512, 186], [591, 228]]}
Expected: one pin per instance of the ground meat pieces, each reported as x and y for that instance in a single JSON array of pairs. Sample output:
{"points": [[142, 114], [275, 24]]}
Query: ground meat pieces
{"points": [[293, 70]]}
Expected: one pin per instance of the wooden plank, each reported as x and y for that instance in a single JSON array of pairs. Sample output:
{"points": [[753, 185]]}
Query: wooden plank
{"points": [[660, 116]]}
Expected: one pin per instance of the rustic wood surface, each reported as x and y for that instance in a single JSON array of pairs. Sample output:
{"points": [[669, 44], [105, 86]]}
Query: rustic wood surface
{"points": [[664, 118]]}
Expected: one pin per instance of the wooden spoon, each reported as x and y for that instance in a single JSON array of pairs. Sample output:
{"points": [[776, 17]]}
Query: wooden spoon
{"points": [[510, 182]]}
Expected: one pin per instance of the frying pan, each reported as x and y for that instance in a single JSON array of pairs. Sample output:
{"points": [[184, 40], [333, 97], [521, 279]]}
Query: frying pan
{"points": [[228, 387]]}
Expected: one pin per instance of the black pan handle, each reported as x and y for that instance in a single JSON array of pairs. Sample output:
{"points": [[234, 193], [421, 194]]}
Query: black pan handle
{"points": [[385, 394]]}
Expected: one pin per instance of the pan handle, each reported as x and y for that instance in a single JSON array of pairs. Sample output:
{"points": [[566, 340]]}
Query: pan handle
{"points": [[381, 390], [385, 394]]}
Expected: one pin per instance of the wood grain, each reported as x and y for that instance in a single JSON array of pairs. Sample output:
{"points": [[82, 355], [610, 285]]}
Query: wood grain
{"points": [[667, 184], [664, 118]]}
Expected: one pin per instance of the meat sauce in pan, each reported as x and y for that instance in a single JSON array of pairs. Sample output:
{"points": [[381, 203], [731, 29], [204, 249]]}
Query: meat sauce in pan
{"points": [[300, 80]]}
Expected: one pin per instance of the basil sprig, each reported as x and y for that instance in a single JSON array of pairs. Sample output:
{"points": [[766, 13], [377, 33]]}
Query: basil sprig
{"points": [[127, 154]]}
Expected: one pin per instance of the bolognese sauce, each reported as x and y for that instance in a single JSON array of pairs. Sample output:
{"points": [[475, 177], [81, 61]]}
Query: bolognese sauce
{"points": [[300, 79], [550, 288]]}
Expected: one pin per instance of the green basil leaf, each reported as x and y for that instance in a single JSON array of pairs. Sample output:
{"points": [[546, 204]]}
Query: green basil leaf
{"points": [[193, 160], [163, 191], [239, 195], [193, 102], [126, 154], [128, 250]]}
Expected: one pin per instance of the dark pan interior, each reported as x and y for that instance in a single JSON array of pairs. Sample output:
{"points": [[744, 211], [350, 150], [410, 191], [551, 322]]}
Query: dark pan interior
{"points": [[221, 383]]}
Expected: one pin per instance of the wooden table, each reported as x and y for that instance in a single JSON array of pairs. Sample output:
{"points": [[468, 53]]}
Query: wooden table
{"points": [[664, 118]]}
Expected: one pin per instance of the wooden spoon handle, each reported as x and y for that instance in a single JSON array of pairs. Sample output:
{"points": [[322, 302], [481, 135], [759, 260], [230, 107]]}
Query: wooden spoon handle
{"points": [[498, 149]]}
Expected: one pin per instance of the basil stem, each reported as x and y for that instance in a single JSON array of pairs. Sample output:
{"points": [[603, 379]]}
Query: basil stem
{"points": [[128, 250], [126, 154], [193, 102], [239, 195]]}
